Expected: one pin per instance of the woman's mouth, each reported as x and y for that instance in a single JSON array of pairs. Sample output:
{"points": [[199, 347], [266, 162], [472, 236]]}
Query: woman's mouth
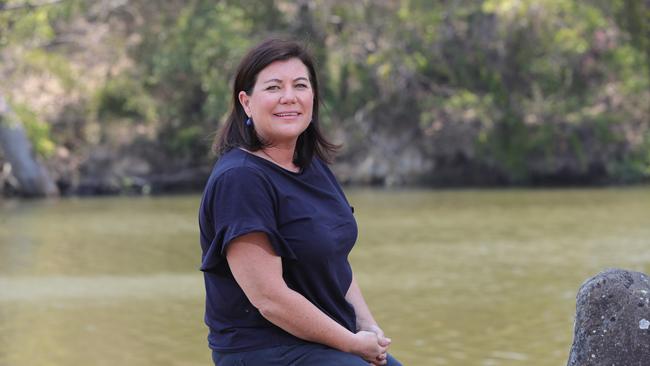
{"points": [[287, 114]]}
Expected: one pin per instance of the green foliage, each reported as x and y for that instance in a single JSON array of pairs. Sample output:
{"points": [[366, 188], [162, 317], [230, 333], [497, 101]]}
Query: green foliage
{"points": [[25, 27], [635, 167], [34, 26], [630, 63], [523, 69], [188, 67], [542, 82], [38, 131], [39, 60], [123, 97], [185, 65], [543, 64], [184, 141]]}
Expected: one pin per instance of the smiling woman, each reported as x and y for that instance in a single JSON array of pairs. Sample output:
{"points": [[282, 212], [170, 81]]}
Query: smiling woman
{"points": [[274, 78], [280, 108], [277, 229]]}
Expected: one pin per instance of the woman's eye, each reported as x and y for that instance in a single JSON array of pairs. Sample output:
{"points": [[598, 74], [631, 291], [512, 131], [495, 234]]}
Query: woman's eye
{"points": [[273, 87], [302, 86]]}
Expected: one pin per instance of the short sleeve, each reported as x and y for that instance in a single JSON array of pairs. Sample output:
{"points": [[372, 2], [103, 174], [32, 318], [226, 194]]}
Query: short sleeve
{"points": [[241, 201]]}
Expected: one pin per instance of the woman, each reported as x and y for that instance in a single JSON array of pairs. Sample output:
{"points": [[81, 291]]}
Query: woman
{"points": [[276, 229]]}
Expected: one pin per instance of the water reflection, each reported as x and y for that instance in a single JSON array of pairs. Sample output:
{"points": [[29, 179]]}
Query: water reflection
{"points": [[455, 277]]}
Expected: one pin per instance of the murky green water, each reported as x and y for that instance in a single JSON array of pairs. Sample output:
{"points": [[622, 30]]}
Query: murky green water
{"points": [[455, 277]]}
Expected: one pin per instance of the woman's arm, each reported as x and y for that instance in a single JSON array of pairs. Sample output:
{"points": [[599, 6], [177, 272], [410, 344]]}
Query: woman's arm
{"points": [[258, 271], [365, 320]]}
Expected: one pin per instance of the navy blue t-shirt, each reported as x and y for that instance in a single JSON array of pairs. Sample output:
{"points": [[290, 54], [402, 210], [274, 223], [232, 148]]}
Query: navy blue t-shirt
{"points": [[308, 222]]}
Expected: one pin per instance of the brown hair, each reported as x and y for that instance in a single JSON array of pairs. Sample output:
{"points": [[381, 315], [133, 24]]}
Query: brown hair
{"points": [[235, 133]]}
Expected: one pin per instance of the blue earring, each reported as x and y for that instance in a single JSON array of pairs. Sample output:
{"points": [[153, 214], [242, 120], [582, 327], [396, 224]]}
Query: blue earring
{"points": [[249, 122]]}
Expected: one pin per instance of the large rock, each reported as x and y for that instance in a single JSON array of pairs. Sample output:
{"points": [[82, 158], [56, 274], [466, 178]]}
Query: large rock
{"points": [[612, 325]]}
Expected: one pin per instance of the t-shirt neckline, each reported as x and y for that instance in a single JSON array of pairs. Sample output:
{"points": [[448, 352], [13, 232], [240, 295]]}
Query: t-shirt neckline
{"points": [[271, 163]]}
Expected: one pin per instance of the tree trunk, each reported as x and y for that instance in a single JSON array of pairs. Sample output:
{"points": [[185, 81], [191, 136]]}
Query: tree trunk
{"points": [[32, 177]]}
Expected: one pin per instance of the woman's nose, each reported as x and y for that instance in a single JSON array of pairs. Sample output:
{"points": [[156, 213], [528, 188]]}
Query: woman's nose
{"points": [[289, 96]]}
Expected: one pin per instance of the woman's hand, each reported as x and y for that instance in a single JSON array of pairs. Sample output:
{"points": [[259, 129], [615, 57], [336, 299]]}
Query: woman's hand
{"points": [[382, 340], [380, 333], [368, 346], [365, 320]]}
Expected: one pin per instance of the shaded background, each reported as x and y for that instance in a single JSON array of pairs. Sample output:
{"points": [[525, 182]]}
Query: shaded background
{"points": [[122, 98], [126, 95]]}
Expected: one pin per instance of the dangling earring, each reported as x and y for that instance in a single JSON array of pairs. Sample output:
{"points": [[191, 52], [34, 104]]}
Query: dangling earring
{"points": [[249, 122]]}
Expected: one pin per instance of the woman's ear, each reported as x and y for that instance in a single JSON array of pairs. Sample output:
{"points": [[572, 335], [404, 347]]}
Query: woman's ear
{"points": [[244, 100]]}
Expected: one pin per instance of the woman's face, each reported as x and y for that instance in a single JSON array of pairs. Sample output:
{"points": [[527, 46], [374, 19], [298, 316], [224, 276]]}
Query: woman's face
{"points": [[281, 102]]}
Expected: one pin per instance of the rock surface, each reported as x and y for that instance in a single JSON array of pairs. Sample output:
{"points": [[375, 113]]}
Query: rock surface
{"points": [[612, 325]]}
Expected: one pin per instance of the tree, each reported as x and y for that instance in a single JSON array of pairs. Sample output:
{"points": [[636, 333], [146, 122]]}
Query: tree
{"points": [[33, 178]]}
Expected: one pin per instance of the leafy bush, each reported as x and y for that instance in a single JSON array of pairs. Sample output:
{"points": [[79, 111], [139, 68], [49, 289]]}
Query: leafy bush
{"points": [[123, 98]]}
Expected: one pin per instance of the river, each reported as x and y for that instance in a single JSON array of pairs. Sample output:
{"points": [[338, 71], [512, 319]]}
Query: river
{"points": [[455, 277]]}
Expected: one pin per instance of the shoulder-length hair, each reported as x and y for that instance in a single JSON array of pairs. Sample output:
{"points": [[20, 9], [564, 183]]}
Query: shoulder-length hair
{"points": [[234, 133]]}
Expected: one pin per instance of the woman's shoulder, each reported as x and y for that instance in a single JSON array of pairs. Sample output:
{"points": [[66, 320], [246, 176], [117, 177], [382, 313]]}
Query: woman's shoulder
{"points": [[323, 166], [237, 165]]}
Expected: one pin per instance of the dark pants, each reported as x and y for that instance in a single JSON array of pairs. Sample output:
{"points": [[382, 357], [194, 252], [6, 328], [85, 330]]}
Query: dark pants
{"points": [[308, 354]]}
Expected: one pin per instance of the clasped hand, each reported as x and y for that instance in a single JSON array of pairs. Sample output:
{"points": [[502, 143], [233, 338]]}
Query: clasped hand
{"points": [[374, 345]]}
